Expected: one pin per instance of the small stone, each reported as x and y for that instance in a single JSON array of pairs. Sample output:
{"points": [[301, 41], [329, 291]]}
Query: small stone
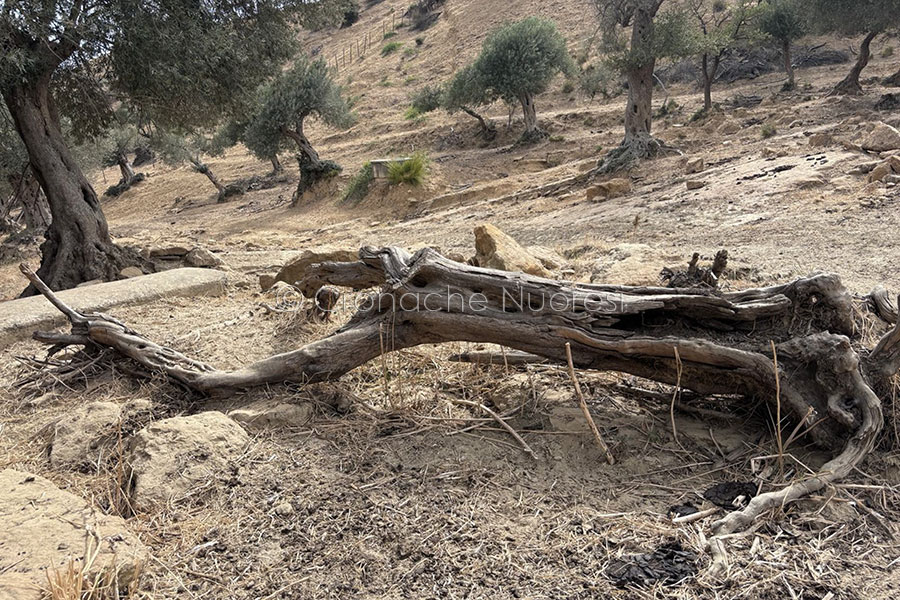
{"points": [[614, 188], [694, 184], [880, 172], [272, 414], [284, 509], [173, 251], [129, 272], [266, 281], [201, 257], [694, 165]]}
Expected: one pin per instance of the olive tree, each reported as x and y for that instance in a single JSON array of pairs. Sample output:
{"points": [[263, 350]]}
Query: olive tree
{"points": [[464, 93], [178, 61], [654, 34], [518, 61], [305, 90], [721, 25], [868, 18], [782, 21], [22, 204]]}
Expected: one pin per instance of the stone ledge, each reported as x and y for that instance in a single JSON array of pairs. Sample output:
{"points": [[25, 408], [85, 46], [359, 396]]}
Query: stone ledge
{"points": [[20, 318]]}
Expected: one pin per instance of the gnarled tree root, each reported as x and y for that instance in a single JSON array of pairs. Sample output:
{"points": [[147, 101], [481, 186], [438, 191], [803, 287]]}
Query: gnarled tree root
{"points": [[705, 340]]}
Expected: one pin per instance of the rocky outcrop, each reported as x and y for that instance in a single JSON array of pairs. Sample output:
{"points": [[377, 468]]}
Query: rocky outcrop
{"points": [[82, 438], [46, 528], [183, 457], [496, 250], [881, 139]]}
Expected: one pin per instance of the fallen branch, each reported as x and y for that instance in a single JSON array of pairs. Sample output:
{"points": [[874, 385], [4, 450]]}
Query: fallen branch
{"points": [[722, 341]]}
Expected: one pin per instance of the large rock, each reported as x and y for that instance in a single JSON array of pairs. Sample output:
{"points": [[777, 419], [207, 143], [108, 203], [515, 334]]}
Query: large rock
{"points": [[19, 318], [82, 437], [881, 139], [44, 528], [694, 165], [294, 270], [496, 250], [201, 257], [273, 414], [607, 190], [179, 457], [548, 257]]}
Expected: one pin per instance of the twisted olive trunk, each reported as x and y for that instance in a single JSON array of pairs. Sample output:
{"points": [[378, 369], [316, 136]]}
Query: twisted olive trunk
{"points": [[850, 85], [77, 247]]}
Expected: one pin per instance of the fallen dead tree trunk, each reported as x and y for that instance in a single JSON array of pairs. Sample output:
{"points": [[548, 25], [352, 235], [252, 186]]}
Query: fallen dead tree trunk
{"points": [[701, 339]]}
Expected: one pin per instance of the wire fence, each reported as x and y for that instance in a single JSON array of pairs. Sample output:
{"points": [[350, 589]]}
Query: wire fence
{"points": [[363, 44]]}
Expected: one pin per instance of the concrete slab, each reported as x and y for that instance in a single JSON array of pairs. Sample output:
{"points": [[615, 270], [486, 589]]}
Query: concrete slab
{"points": [[20, 318]]}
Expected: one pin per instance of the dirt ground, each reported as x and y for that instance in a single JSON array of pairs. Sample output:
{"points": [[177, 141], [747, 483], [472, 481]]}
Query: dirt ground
{"points": [[397, 491]]}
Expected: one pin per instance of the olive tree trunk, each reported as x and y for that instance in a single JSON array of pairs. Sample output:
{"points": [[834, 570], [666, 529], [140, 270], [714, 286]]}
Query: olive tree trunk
{"points": [[529, 113], [892, 80], [849, 85], [77, 247], [709, 68], [312, 168], [788, 64], [204, 169], [488, 129]]}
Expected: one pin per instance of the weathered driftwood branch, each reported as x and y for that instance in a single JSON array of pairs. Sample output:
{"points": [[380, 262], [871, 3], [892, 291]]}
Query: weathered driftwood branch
{"points": [[723, 343]]}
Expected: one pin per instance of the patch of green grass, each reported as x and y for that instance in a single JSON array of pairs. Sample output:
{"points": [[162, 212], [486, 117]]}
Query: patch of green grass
{"points": [[390, 48], [767, 131], [359, 184], [389, 35], [414, 114], [887, 52], [409, 52], [557, 138], [568, 87], [410, 80], [385, 82], [411, 171]]}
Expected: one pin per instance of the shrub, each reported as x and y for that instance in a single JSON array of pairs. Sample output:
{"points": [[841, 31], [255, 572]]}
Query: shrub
{"points": [[389, 35], [767, 131], [427, 99], [568, 87], [411, 171], [596, 79], [420, 40], [413, 114], [359, 184], [390, 48], [351, 14]]}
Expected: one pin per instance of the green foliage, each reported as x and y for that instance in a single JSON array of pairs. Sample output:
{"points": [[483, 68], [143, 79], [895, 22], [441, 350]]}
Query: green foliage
{"points": [[782, 20], [672, 34], [427, 99], [304, 90], [420, 39], [351, 13], [466, 89], [568, 87], [411, 171], [359, 184], [390, 48], [767, 130], [597, 79], [389, 35], [522, 58], [722, 25]]}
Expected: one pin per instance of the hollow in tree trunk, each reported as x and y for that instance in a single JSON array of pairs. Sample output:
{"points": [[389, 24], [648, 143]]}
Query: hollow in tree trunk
{"points": [[312, 168], [77, 245], [850, 85], [788, 64]]}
